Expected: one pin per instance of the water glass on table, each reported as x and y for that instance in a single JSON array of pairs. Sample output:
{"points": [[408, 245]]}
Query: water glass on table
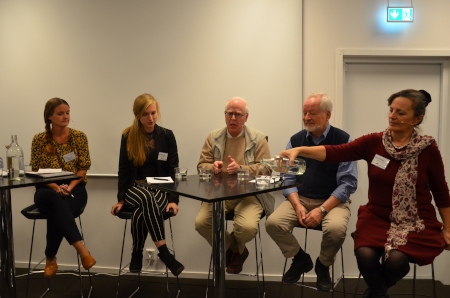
{"points": [[180, 173], [262, 181], [243, 175], [205, 174]]}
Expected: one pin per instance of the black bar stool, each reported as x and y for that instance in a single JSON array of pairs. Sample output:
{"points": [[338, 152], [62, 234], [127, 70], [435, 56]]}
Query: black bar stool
{"points": [[302, 283], [32, 212], [259, 258], [126, 214]]}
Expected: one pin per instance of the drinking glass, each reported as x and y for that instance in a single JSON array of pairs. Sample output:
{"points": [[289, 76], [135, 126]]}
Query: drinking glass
{"points": [[177, 174], [183, 173], [262, 181], [205, 174], [243, 175], [180, 173]]}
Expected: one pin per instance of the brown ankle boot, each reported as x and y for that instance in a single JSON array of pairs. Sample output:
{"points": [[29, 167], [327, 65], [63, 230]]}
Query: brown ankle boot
{"points": [[50, 267], [88, 261]]}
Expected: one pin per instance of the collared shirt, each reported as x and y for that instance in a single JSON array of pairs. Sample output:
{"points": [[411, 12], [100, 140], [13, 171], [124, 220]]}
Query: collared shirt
{"points": [[346, 175], [240, 134]]}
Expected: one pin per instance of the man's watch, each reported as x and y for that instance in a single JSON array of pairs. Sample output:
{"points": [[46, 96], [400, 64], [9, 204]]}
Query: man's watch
{"points": [[324, 211]]}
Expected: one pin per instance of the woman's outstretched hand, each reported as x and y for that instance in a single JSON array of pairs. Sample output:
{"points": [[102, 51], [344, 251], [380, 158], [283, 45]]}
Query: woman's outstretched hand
{"points": [[291, 154]]}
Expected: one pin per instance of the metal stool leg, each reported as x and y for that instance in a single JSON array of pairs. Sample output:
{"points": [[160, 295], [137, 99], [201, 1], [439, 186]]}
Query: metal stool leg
{"points": [[343, 274], [121, 259], [260, 264], [29, 264], [303, 275], [414, 282], [281, 283], [121, 268], [167, 273], [29, 260], [79, 264], [332, 280], [432, 280]]}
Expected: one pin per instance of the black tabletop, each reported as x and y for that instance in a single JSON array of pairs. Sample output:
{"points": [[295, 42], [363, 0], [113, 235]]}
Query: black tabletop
{"points": [[5, 183], [220, 187]]}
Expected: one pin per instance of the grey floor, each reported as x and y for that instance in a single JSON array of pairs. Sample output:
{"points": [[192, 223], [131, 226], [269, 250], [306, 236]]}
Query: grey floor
{"points": [[104, 286]]}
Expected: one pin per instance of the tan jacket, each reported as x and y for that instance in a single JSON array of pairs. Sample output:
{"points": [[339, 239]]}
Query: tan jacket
{"points": [[256, 148]]}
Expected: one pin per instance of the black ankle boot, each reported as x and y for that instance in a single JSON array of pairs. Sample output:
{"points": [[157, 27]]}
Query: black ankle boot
{"points": [[136, 262], [174, 266], [378, 290]]}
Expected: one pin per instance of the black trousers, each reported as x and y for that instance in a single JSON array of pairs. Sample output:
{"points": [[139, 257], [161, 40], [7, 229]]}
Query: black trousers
{"points": [[61, 213], [147, 205]]}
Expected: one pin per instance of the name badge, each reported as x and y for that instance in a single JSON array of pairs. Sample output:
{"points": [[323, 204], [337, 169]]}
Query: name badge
{"points": [[69, 156], [163, 156], [380, 161]]}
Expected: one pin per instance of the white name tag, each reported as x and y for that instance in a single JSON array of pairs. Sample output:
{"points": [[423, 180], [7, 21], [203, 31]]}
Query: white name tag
{"points": [[380, 161], [163, 156], [69, 156]]}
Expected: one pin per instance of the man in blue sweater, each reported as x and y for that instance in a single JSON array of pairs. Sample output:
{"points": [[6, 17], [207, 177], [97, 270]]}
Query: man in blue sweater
{"points": [[323, 197]]}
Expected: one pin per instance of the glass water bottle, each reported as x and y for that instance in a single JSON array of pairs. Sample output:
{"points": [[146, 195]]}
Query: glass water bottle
{"points": [[14, 158]]}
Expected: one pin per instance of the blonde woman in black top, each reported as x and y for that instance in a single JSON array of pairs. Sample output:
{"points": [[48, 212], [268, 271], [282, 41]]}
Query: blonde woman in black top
{"points": [[147, 150]]}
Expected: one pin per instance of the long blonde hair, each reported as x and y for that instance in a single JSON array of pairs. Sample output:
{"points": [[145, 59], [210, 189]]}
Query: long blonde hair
{"points": [[137, 137]]}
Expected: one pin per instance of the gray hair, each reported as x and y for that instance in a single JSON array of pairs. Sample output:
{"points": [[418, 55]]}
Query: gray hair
{"points": [[325, 102]]}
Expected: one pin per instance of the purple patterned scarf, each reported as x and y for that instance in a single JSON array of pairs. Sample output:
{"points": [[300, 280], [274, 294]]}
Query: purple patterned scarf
{"points": [[404, 217]]}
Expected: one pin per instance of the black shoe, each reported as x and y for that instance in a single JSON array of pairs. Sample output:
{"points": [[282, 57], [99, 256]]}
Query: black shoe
{"points": [[228, 257], [237, 261], [300, 264], [136, 262], [323, 283], [174, 266], [368, 294]]}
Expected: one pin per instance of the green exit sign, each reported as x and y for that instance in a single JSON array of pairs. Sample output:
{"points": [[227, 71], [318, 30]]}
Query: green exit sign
{"points": [[400, 14]]}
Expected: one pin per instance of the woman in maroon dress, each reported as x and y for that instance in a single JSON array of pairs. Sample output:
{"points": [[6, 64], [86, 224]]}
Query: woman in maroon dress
{"points": [[399, 223]]}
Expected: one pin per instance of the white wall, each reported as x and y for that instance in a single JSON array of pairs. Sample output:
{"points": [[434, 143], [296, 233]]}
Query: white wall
{"points": [[206, 52], [191, 55]]}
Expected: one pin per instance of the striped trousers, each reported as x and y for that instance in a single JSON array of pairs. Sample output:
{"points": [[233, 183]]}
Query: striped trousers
{"points": [[147, 205]]}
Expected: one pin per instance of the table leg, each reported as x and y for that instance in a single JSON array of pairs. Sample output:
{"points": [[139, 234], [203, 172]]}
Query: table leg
{"points": [[218, 225], [7, 246]]}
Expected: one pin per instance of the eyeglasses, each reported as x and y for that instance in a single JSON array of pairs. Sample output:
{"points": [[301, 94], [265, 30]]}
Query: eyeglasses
{"points": [[236, 115]]}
